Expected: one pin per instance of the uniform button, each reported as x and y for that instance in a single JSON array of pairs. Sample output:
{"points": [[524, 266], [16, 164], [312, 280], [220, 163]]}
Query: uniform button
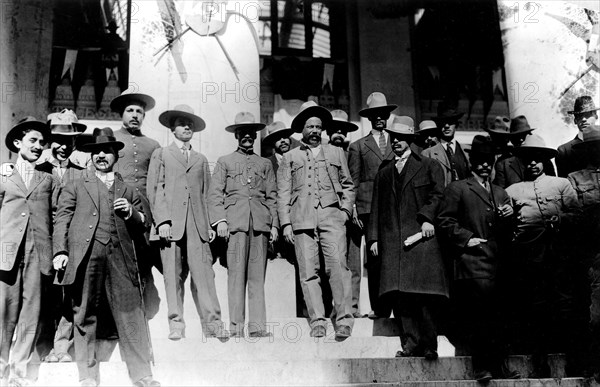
{"points": [[23, 214], [249, 197], [309, 185], [136, 179], [135, 161], [20, 228], [135, 170], [487, 209], [87, 239], [134, 144], [135, 153], [94, 214], [309, 193], [309, 167], [490, 224], [309, 176], [90, 226], [137, 189]]}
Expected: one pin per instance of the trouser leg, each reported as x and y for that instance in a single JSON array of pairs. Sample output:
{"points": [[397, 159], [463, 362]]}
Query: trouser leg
{"points": [[354, 237], [257, 267], [237, 263], [174, 273], [307, 255]]}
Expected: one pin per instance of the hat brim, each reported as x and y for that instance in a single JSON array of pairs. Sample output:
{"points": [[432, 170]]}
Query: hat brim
{"points": [[432, 129], [56, 130], [166, 117], [118, 104], [90, 147], [272, 138], [256, 126], [395, 132], [583, 111], [450, 118], [498, 132], [521, 131], [368, 112], [346, 126], [544, 152], [313, 111], [13, 133]]}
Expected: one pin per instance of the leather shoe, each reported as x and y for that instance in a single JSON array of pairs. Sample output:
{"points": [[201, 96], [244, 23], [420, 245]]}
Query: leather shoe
{"points": [[146, 381], [483, 376], [235, 334], [318, 331], [88, 382], [176, 334], [64, 357], [262, 333], [343, 332], [430, 354], [372, 315], [357, 314], [403, 353], [51, 358], [222, 335]]}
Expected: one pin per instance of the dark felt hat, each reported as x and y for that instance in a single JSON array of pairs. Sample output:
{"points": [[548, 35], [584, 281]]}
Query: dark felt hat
{"points": [[583, 104], [519, 125], [482, 146], [28, 122], [102, 138]]}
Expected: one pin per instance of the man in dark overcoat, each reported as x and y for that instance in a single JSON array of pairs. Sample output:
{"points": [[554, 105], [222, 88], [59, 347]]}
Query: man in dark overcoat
{"points": [[406, 194], [97, 217], [475, 221]]}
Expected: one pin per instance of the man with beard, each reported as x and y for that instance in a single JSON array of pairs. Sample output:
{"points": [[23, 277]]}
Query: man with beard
{"points": [[279, 138], [25, 258], [365, 156], [316, 195], [585, 114], [406, 195], [449, 152], [475, 219], [133, 164], [541, 273], [428, 135], [511, 170], [242, 204], [98, 216]]}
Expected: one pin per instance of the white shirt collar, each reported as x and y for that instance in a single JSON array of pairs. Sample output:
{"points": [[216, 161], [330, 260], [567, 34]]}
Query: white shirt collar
{"points": [[580, 135], [23, 166], [180, 144], [405, 155], [105, 176], [278, 157], [479, 179]]}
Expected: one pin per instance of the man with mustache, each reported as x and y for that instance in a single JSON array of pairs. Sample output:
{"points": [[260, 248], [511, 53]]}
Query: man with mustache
{"points": [[406, 195], [585, 114], [365, 156], [428, 134], [449, 152], [475, 219], [545, 207], [25, 258], [316, 195], [97, 219], [178, 180], [242, 205]]}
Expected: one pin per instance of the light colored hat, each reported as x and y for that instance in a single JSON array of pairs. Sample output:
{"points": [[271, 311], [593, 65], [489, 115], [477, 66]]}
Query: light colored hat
{"points": [[276, 131], [184, 111], [118, 104], [65, 123], [535, 144], [245, 120], [377, 104], [427, 125], [501, 126], [307, 110], [340, 122], [402, 125]]}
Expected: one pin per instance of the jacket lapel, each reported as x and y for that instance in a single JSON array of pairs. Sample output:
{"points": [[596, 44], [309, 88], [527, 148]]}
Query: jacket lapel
{"points": [[176, 152], [440, 155], [15, 177], [479, 190], [371, 144], [37, 178], [388, 174], [120, 187], [91, 186], [517, 166], [194, 158], [412, 166]]}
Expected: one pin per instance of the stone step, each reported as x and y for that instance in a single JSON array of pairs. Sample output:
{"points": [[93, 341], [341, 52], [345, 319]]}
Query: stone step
{"points": [[567, 382], [308, 372]]}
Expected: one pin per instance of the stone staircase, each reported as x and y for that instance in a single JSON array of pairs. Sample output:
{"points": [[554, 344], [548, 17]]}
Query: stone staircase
{"points": [[291, 357]]}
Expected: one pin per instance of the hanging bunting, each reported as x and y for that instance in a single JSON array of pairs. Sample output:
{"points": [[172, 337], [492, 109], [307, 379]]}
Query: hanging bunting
{"points": [[328, 70], [69, 65], [497, 83]]}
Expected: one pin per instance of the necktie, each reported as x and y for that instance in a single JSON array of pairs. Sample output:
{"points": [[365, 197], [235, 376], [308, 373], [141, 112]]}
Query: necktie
{"points": [[450, 154], [186, 152], [382, 143]]}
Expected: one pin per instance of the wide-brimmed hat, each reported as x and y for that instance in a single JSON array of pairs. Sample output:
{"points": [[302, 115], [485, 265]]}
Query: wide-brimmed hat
{"points": [[519, 125], [377, 105], [446, 113], [482, 146], [28, 122], [501, 126], [591, 138], [185, 111], [307, 110], [102, 138], [276, 131], [340, 122], [65, 123], [245, 120], [534, 144], [583, 104], [118, 104], [426, 126], [403, 125]]}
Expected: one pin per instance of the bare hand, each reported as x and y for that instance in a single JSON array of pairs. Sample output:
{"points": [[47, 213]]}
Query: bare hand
{"points": [[60, 261], [505, 210], [475, 242], [164, 231], [274, 235], [223, 230], [211, 235], [357, 222], [122, 207], [427, 230], [374, 249], [288, 234]]}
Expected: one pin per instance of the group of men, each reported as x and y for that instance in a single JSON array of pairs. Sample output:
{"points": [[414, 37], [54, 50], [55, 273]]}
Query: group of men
{"points": [[443, 229]]}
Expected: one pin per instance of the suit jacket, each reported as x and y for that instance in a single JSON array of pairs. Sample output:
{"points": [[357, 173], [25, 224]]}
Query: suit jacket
{"points": [[401, 204], [77, 219], [175, 184], [467, 211], [295, 203], [437, 152], [273, 160], [243, 185], [72, 172], [364, 160], [567, 160], [511, 170], [21, 208]]}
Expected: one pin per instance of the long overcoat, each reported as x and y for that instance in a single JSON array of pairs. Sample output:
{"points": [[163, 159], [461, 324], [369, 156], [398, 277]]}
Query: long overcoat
{"points": [[399, 212]]}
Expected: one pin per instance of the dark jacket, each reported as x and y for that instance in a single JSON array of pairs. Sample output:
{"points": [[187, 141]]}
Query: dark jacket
{"points": [[568, 160]]}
